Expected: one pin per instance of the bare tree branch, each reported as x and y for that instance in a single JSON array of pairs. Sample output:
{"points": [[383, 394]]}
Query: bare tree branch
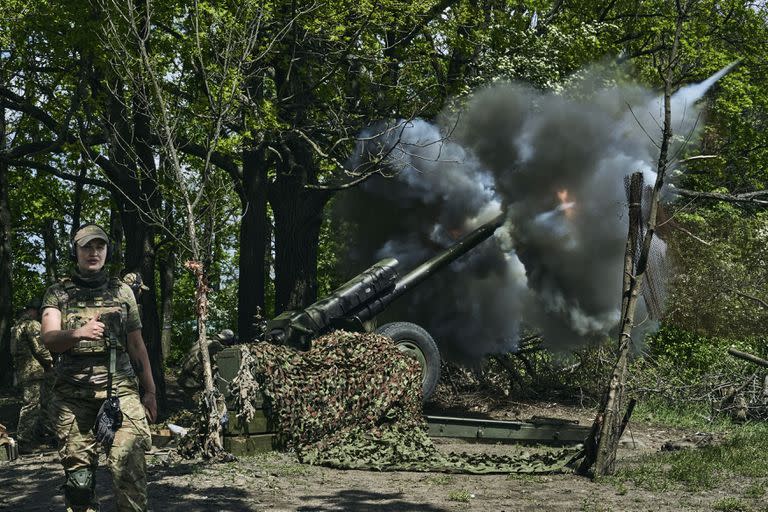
{"points": [[49, 169], [21, 104], [750, 297], [681, 228], [752, 198]]}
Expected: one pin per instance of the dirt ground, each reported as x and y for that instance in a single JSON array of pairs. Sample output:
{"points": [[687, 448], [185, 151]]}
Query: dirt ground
{"points": [[276, 482]]}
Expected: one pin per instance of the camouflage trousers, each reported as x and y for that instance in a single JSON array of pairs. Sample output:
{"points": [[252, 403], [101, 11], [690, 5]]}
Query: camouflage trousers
{"points": [[75, 408], [35, 415]]}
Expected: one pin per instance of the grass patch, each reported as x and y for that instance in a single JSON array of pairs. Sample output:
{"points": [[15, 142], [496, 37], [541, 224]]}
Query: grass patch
{"points": [[732, 505], [684, 416], [460, 495], [289, 469], [621, 488], [755, 491], [440, 479], [592, 505], [743, 454], [528, 477], [274, 463]]}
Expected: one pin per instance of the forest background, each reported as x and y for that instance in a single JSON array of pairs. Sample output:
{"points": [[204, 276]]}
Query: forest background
{"points": [[221, 131]]}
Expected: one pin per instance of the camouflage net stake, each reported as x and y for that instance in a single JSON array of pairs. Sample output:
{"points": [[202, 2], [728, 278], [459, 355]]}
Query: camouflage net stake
{"points": [[354, 402]]}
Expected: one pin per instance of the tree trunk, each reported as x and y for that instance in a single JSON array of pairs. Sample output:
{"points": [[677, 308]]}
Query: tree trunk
{"points": [[6, 267], [601, 444], [298, 217], [140, 249], [117, 234], [634, 270], [48, 232], [212, 403], [167, 277], [140, 254], [139, 233], [611, 412], [254, 244], [208, 243]]}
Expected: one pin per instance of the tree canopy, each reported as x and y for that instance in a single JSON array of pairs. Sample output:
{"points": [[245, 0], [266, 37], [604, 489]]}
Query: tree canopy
{"points": [[239, 119]]}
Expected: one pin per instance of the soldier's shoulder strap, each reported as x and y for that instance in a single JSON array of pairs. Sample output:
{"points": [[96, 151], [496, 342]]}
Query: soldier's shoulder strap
{"points": [[68, 290], [68, 285], [113, 289]]}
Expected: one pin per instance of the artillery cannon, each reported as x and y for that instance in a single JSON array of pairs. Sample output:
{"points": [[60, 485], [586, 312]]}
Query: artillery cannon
{"points": [[360, 299], [350, 307]]}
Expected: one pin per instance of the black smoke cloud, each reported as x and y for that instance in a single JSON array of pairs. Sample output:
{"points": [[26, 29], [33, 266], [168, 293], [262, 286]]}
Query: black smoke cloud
{"points": [[556, 165]]}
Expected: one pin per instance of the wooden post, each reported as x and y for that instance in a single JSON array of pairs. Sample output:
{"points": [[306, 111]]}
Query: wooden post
{"points": [[602, 442], [600, 447]]}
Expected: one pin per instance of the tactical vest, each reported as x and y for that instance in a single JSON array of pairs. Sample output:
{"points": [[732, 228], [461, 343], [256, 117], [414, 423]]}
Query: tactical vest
{"points": [[83, 304]]}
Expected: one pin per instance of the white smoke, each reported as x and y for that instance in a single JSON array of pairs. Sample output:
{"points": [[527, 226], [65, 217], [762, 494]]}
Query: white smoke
{"points": [[557, 166]]}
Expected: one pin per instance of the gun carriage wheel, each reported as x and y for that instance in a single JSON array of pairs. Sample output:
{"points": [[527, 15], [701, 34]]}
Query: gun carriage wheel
{"points": [[418, 343]]}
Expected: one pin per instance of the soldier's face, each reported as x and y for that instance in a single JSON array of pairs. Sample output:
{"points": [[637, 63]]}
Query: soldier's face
{"points": [[91, 257]]}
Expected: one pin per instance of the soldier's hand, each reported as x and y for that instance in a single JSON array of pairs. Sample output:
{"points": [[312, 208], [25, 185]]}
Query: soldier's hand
{"points": [[149, 401], [91, 330]]}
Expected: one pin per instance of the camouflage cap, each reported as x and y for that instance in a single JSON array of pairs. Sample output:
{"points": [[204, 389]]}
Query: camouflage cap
{"points": [[134, 280], [89, 232]]}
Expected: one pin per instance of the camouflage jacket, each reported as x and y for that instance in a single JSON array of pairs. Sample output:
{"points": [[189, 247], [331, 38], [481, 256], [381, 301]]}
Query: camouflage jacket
{"points": [[77, 305], [30, 357]]}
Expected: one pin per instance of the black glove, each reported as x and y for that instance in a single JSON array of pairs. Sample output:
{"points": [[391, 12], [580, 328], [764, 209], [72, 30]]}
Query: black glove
{"points": [[108, 421]]}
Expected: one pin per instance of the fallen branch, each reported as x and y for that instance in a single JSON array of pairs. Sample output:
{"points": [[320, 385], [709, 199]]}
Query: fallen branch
{"points": [[748, 357]]}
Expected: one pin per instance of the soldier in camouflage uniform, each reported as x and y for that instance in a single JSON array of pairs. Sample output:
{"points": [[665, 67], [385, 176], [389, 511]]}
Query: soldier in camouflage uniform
{"points": [[135, 281], [71, 326], [191, 374], [32, 373]]}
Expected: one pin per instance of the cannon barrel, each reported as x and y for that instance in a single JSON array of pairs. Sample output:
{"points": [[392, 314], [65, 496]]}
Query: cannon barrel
{"points": [[429, 267], [367, 294]]}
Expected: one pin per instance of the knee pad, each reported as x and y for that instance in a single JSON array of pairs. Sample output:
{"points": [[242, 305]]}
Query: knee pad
{"points": [[79, 487]]}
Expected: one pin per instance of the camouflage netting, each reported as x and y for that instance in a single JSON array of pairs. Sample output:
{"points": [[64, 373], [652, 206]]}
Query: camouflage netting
{"points": [[203, 438], [354, 402]]}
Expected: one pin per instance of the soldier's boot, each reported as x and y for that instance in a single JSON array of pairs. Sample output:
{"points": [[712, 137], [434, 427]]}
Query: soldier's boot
{"points": [[80, 490]]}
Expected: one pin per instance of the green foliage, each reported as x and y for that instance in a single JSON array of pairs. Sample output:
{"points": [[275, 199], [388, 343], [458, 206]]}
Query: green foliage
{"points": [[574, 377], [720, 291], [322, 74], [693, 355], [743, 454], [334, 236], [593, 505], [184, 323], [717, 301], [41, 207], [222, 308]]}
